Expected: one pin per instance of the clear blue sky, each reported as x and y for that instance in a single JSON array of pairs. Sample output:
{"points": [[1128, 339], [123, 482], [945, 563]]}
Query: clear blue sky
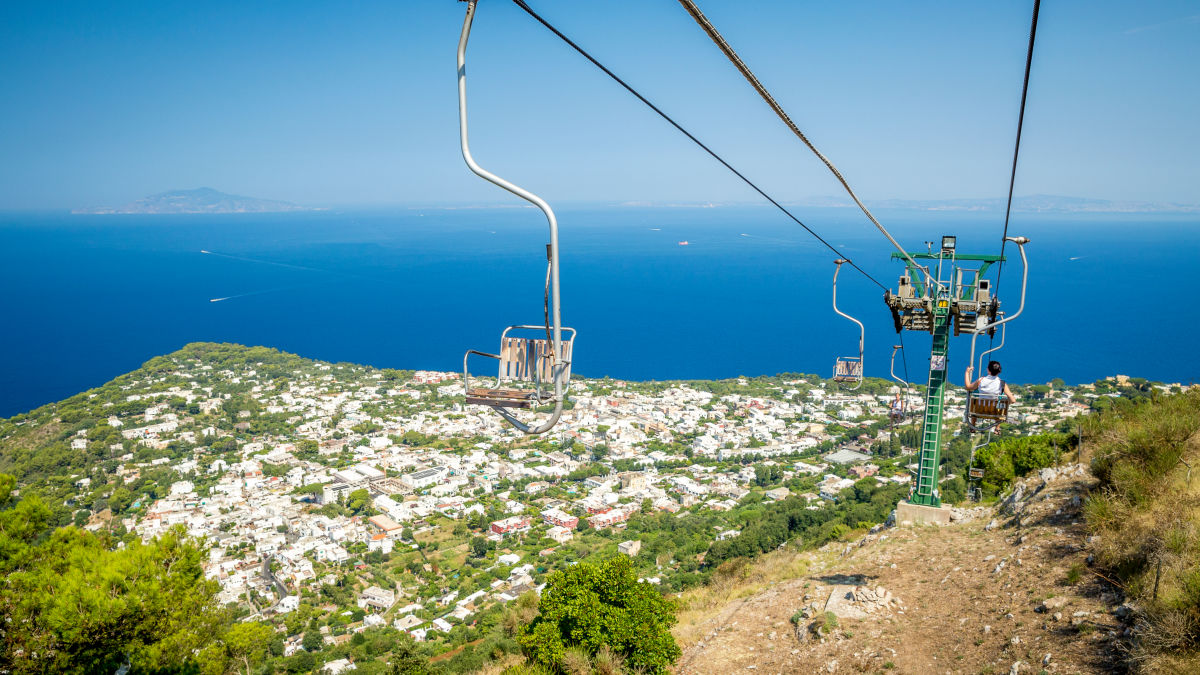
{"points": [[353, 103]]}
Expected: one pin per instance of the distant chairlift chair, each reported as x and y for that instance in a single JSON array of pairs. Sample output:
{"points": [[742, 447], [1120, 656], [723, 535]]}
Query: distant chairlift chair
{"points": [[848, 369], [899, 414], [536, 370]]}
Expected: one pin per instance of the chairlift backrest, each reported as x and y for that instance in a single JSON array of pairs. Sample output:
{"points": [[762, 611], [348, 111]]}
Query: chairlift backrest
{"points": [[989, 407], [847, 369], [529, 359]]}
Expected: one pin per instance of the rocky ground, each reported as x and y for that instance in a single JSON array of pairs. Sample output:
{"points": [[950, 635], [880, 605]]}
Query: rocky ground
{"points": [[1003, 590]]}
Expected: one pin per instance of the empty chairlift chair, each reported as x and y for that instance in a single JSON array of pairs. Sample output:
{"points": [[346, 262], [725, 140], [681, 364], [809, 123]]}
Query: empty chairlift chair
{"points": [[533, 371], [848, 369], [528, 365], [899, 413]]}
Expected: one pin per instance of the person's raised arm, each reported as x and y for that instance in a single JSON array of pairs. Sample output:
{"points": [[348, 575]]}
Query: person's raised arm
{"points": [[970, 384]]}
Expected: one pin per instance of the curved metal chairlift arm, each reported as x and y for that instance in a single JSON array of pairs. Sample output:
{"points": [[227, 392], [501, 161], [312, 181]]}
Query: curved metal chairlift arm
{"points": [[983, 355], [862, 331], [905, 387], [555, 310], [1020, 242]]}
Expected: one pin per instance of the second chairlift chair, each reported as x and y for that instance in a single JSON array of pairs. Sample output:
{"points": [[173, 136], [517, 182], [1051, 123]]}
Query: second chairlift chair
{"points": [[848, 369], [532, 371]]}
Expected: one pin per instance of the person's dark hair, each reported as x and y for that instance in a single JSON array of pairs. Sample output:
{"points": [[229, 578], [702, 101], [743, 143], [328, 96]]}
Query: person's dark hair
{"points": [[993, 368]]}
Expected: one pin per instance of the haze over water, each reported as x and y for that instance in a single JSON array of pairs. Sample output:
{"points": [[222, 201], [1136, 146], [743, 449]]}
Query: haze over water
{"points": [[91, 297]]}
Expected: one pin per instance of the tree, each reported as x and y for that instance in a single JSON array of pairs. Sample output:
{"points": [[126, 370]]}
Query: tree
{"points": [[405, 659], [588, 606], [72, 603], [301, 662], [479, 547], [358, 500], [312, 641], [120, 500], [248, 643]]}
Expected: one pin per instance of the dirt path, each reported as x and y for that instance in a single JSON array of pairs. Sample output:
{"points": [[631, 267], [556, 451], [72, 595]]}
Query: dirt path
{"points": [[972, 597]]}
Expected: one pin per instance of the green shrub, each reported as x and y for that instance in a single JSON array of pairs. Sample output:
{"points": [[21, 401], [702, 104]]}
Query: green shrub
{"points": [[828, 623], [589, 606], [1010, 458]]}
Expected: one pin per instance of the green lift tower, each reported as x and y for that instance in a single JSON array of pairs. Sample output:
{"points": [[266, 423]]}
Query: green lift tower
{"points": [[939, 291]]}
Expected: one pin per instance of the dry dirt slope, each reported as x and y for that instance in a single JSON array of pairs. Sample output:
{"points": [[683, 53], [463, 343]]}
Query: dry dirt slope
{"points": [[999, 591]]}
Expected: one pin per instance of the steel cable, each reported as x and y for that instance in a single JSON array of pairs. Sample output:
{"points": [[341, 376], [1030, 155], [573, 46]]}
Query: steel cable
{"points": [[1012, 178], [712, 32], [690, 136]]}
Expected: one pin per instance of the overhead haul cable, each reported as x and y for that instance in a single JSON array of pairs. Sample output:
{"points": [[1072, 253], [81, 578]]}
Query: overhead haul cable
{"points": [[1012, 179], [779, 111], [685, 132]]}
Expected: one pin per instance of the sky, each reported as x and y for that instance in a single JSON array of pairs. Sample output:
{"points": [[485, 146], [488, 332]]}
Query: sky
{"points": [[354, 103]]}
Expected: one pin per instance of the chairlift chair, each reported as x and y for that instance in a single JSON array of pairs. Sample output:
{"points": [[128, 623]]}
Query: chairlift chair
{"points": [[901, 413], [848, 369], [533, 371], [986, 412], [528, 365]]}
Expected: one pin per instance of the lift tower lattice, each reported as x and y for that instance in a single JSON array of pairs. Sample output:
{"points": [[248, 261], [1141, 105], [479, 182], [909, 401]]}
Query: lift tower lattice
{"points": [[934, 298]]}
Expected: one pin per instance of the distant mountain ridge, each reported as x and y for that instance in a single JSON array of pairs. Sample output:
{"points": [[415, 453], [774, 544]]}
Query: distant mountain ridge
{"points": [[1026, 204], [200, 200]]}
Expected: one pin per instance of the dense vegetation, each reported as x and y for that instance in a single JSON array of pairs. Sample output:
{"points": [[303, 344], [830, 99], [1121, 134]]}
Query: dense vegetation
{"points": [[1006, 459], [71, 603], [866, 504], [1146, 516]]}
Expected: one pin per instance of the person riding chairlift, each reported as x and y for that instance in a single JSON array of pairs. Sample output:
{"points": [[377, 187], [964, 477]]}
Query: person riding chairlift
{"points": [[990, 384]]}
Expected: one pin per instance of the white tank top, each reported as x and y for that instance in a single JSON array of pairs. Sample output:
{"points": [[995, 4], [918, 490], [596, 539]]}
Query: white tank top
{"points": [[991, 385]]}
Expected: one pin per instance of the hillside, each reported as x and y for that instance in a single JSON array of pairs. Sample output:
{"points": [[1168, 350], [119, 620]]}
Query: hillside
{"points": [[996, 588], [1090, 567], [340, 512]]}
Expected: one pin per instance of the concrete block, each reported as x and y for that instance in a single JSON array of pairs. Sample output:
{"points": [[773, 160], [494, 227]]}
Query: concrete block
{"points": [[908, 513]]}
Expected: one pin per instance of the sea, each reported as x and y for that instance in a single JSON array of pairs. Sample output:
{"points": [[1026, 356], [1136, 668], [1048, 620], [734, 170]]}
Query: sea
{"points": [[88, 297]]}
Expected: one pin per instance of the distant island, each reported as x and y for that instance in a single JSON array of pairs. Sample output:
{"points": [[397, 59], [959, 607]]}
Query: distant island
{"points": [[200, 200]]}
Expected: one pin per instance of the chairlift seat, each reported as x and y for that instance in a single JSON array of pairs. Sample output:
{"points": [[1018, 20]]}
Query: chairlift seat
{"points": [[989, 407], [976, 473], [524, 361], [504, 398], [847, 369]]}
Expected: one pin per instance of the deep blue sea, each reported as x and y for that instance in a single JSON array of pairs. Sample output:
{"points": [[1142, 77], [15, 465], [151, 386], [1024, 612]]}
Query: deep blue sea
{"points": [[89, 297]]}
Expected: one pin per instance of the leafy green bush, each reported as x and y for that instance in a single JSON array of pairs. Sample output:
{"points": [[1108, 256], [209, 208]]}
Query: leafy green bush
{"points": [[1007, 459], [589, 606]]}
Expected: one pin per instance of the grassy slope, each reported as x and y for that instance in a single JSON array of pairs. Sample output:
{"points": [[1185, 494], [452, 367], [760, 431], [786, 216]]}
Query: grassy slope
{"points": [[1146, 518]]}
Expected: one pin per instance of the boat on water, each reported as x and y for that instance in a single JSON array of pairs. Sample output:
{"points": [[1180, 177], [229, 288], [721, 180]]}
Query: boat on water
{"points": [[683, 243]]}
